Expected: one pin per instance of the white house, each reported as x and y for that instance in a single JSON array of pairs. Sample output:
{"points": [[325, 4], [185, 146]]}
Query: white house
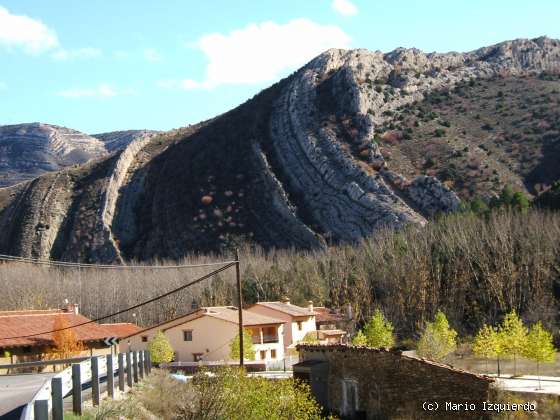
{"points": [[205, 334], [299, 321]]}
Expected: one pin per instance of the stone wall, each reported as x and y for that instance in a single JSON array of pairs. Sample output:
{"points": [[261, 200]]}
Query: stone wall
{"points": [[386, 384]]}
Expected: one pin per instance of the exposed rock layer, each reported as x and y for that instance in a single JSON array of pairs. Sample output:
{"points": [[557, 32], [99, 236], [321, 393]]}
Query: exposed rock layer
{"points": [[294, 166]]}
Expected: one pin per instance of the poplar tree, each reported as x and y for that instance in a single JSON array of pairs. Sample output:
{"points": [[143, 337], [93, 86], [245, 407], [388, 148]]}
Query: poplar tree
{"points": [[487, 344], [438, 339], [513, 337], [249, 351], [379, 332], [359, 339], [539, 347]]}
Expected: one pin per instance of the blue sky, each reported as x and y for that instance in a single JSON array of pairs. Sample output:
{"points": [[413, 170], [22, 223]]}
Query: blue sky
{"points": [[103, 65]]}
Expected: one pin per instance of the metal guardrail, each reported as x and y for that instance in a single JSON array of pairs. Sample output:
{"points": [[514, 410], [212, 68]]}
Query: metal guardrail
{"points": [[49, 399], [39, 363]]}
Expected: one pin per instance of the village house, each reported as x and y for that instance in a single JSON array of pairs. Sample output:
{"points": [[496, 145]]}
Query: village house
{"points": [[333, 325], [366, 383], [205, 334], [31, 347], [299, 321]]}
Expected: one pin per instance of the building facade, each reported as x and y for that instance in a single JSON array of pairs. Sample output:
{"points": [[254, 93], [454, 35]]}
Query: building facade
{"points": [[299, 321], [205, 334], [365, 383]]}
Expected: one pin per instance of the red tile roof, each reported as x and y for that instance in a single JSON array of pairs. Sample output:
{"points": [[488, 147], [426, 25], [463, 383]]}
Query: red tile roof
{"points": [[225, 313], [286, 308], [29, 323], [328, 315], [120, 329]]}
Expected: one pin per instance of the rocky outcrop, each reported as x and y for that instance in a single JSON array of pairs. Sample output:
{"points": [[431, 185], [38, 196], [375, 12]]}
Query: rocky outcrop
{"points": [[296, 166], [29, 150], [431, 196], [118, 140]]}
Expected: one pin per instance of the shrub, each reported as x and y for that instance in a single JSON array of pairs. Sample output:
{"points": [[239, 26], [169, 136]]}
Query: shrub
{"points": [[160, 349]]}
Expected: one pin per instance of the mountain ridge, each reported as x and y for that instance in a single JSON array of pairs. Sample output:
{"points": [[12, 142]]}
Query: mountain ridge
{"points": [[299, 165]]}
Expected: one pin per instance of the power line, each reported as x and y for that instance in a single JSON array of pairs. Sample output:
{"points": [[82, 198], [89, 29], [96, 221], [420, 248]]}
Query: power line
{"points": [[154, 299], [53, 263]]}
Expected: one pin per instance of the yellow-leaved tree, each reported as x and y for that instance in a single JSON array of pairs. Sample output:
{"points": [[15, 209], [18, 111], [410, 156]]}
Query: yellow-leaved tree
{"points": [[539, 347], [513, 337], [487, 344], [438, 339], [160, 349], [65, 341], [249, 351]]}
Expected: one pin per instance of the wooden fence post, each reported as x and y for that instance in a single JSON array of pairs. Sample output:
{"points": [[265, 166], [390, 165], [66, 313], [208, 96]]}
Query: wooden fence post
{"points": [[121, 371], [146, 362], [57, 403], [110, 377], [149, 361], [76, 389], [141, 364], [95, 380], [135, 365], [129, 369], [41, 409]]}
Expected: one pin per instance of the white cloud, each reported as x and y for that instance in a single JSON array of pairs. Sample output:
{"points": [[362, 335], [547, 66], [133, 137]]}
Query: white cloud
{"points": [[189, 84], [261, 52], [152, 55], [84, 53], [103, 90], [22, 31], [344, 7], [120, 54], [167, 83]]}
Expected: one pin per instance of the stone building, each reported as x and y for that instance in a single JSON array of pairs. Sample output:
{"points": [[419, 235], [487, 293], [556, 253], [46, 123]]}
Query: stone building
{"points": [[365, 383]]}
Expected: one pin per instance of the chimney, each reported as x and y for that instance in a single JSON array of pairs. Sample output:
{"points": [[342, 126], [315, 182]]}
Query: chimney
{"points": [[349, 314], [71, 308], [310, 305], [286, 300]]}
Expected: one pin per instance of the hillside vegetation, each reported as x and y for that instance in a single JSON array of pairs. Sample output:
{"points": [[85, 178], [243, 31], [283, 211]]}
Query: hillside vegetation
{"points": [[473, 268]]}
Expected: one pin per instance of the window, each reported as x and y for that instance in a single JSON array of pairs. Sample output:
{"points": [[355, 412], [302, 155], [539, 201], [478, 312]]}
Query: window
{"points": [[144, 339], [299, 325], [197, 357], [273, 354], [263, 354], [187, 335]]}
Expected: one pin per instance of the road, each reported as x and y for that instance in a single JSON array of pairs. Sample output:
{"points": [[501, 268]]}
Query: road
{"points": [[17, 390]]}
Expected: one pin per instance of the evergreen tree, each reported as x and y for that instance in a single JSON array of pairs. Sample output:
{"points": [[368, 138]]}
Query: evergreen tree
{"points": [[379, 332], [513, 337], [249, 351], [487, 344], [520, 201], [438, 339], [539, 347], [160, 349], [359, 339], [506, 196]]}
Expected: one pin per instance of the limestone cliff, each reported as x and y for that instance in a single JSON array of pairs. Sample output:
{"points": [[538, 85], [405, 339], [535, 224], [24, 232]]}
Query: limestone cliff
{"points": [[299, 165]]}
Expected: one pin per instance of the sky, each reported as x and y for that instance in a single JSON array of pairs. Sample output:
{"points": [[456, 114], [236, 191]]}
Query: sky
{"points": [[105, 65]]}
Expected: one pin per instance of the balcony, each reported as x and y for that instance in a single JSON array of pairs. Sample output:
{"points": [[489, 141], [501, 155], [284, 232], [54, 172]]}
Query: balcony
{"points": [[265, 335]]}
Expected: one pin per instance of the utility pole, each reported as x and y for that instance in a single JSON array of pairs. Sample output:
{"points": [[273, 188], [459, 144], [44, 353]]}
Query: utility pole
{"points": [[240, 308]]}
